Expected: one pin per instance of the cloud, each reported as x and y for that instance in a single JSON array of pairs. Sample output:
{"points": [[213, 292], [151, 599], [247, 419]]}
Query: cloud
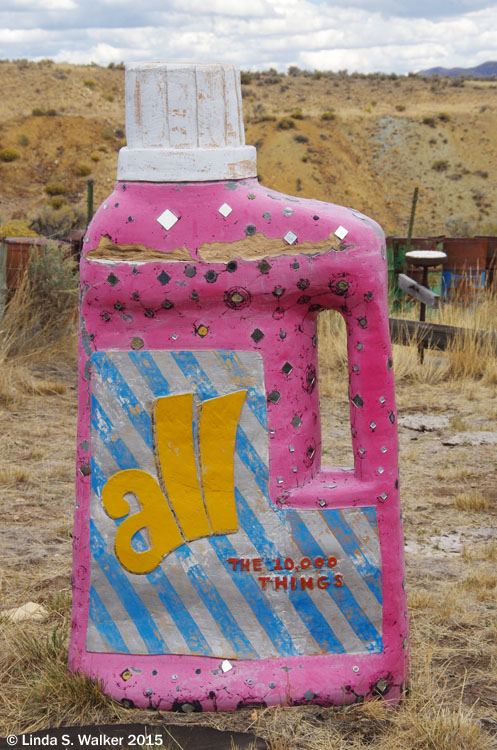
{"points": [[363, 35], [420, 8]]}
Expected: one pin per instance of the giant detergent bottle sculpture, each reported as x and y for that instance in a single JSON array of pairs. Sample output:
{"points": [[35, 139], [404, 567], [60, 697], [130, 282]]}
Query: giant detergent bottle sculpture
{"points": [[216, 562]]}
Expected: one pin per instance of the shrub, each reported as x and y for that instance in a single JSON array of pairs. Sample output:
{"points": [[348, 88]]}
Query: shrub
{"points": [[109, 97], [440, 165], [57, 201], [90, 83], [107, 134], [55, 188], [300, 138], [16, 228], [23, 140], [37, 112], [50, 221], [328, 115], [297, 115], [245, 77], [82, 169], [51, 112], [9, 154], [400, 107], [444, 117], [95, 156], [286, 124], [430, 121]]}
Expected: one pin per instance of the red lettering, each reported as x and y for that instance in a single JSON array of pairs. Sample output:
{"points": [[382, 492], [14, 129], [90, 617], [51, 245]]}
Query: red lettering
{"points": [[288, 563], [309, 583], [323, 582], [280, 583], [338, 580], [257, 564], [245, 565], [332, 561], [264, 580], [305, 563], [277, 564], [234, 561], [293, 583], [318, 562]]}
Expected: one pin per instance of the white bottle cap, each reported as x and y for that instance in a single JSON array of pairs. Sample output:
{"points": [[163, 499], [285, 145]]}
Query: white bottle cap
{"points": [[184, 123]]}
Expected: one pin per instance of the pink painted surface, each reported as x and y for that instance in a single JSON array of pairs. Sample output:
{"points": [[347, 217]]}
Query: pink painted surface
{"points": [[309, 282]]}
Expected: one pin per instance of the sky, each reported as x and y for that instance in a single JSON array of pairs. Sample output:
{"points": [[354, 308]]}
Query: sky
{"points": [[359, 35]]}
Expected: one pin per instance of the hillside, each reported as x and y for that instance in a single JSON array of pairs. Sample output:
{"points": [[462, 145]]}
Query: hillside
{"points": [[382, 136]]}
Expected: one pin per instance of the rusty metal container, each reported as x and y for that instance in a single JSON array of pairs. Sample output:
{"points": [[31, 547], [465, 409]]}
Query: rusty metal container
{"points": [[464, 274]]}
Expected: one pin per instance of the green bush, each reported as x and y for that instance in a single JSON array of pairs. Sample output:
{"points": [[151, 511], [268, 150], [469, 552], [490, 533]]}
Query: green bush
{"points": [[245, 77], [300, 138], [9, 154], [400, 107], [37, 112], [328, 115], [58, 221], [444, 117], [55, 188], [57, 201], [90, 83], [54, 286], [82, 169], [297, 115], [430, 121], [440, 166], [23, 140], [286, 124]]}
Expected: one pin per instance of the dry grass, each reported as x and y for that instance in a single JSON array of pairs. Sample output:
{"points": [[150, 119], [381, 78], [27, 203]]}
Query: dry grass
{"points": [[471, 500]]}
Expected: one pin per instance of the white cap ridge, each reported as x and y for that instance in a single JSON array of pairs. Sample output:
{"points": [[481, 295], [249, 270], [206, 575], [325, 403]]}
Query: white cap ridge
{"points": [[184, 122]]}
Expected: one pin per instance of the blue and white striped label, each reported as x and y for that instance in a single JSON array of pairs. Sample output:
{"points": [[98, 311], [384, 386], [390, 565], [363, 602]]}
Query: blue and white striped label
{"points": [[232, 595]]}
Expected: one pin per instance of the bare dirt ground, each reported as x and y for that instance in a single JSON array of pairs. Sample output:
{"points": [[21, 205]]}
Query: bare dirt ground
{"points": [[450, 555]]}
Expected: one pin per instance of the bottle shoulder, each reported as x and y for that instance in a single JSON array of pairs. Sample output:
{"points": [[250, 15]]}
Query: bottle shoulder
{"points": [[241, 218]]}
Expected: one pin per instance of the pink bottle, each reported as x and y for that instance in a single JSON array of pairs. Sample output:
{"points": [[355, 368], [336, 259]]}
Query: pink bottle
{"points": [[217, 564]]}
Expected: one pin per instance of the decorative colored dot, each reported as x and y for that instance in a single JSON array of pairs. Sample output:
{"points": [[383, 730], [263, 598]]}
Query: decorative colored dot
{"points": [[264, 266], [257, 335], [296, 421], [112, 279], [106, 317], [250, 229], [287, 368], [357, 400], [231, 266], [274, 397], [210, 277], [130, 218], [202, 331], [282, 334], [190, 271], [163, 278]]}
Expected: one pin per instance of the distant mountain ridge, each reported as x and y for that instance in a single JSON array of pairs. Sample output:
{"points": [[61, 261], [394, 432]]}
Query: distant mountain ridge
{"points": [[485, 69]]}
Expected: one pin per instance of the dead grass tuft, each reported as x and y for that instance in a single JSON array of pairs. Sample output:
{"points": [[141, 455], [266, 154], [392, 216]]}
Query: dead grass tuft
{"points": [[471, 500], [11, 475]]}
